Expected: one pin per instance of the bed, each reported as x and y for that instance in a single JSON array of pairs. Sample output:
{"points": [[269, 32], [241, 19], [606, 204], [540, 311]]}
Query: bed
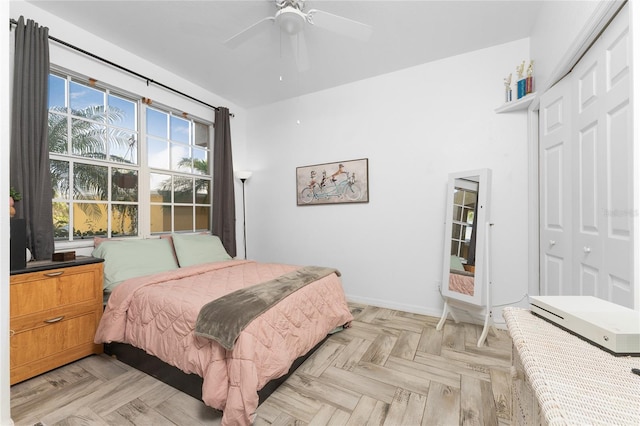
{"points": [[461, 282], [461, 276], [172, 298]]}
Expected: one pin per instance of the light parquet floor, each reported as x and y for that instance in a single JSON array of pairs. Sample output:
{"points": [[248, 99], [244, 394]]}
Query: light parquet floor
{"points": [[389, 368]]}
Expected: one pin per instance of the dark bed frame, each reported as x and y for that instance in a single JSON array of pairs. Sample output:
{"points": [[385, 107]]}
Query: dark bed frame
{"points": [[190, 384]]}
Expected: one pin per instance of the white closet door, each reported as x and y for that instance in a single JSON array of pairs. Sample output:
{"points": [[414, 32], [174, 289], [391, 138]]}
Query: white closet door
{"points": [[586, 174], [555, 190], [602, 167]]}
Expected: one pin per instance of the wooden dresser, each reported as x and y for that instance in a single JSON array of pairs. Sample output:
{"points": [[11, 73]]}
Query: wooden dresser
{"points": [[55, 310]]}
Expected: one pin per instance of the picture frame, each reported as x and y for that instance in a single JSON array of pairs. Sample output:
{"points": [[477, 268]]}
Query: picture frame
{"points": [[339, 182]]}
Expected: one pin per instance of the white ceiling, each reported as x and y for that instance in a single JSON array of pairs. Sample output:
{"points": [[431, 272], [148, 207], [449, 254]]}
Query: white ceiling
{"points": [[186, 38]]}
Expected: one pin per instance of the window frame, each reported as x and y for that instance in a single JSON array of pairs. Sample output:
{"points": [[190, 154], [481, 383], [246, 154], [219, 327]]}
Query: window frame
{"points": [[144, 171]]}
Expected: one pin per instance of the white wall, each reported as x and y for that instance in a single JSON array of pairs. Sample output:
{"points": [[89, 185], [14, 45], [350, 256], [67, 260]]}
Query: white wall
{"points": [[559, 26], [415, 126], [5, 409]]}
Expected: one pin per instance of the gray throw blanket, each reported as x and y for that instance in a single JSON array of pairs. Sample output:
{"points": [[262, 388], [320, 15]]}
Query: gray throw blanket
{"points": [[224, 318]]}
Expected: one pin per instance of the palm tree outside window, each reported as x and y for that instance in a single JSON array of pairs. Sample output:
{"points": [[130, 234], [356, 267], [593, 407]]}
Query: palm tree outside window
{"points": [[95, 137]]}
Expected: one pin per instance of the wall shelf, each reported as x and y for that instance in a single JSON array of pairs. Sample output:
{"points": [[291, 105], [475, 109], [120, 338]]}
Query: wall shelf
{"points": [[517, 105]]}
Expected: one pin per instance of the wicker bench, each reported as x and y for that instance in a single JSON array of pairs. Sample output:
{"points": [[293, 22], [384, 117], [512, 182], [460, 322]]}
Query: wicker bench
{"points": [[561, 379]]}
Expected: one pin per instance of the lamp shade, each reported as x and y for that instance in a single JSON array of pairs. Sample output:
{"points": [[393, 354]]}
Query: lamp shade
{"points": [[243, 174]]}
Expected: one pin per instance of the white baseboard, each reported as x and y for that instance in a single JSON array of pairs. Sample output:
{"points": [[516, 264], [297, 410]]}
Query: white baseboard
{"points": [[422, 310]]}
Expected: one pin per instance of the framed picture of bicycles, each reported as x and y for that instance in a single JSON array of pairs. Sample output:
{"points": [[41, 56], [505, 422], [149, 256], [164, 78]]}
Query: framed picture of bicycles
{"points": [[333, 183]]}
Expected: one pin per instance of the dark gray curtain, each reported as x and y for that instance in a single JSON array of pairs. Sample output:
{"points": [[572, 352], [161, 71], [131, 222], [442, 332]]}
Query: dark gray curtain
{"points": [[29, 172], [223, 200]]}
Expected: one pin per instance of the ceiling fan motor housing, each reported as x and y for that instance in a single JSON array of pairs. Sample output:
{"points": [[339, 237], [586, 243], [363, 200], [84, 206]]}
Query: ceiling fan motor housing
{"points": [[290, 20]]}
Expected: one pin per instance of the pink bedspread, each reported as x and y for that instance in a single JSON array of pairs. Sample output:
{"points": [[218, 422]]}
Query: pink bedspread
{"points": [[158, 314]]}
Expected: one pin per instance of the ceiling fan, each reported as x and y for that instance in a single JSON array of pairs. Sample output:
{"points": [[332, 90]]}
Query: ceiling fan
{"points": [[291, 19]]}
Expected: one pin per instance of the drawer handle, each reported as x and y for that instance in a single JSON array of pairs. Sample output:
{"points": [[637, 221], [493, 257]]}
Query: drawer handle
{"points": [[54, 274], [56, 319]]}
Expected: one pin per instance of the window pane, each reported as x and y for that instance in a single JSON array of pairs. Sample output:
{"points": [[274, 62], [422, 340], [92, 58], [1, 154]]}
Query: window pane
{"points": [[183, 218], [201, 135], [58, 133], [122, 112], [456, 231], [181, 158], [88, 139], [202, 191], [200, 162], [86, 101], [179, 129], [157, 123], [455, 248], [89, 182], [457, 213], [158, 153], [60, 221], [123, 147], [124, 220], [160, 188], [59, 179], [202, 218], [57, 93], [89, 219], [160, 218], [470, 198], [182, 190], [124, 185]]}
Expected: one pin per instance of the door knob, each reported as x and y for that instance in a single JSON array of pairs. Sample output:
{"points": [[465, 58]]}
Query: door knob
{"points": [[552, 242], [587, 249]]}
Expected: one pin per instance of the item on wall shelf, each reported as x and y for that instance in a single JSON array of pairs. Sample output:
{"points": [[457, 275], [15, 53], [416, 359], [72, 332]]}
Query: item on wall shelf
{"points": [[521, 84], [529, 80], [333, 183], [507, 88]]}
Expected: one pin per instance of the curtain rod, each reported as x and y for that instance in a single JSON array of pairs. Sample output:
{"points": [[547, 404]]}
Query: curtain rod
{"points": [[125, 69]]}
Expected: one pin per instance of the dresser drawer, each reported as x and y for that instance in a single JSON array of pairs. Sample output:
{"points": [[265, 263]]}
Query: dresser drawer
{"points": [[42, 291], [52, 339]]}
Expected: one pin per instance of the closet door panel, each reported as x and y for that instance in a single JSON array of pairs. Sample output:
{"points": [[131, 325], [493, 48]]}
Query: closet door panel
{"points": [[617, 243], [618, 214], [555, 194]]}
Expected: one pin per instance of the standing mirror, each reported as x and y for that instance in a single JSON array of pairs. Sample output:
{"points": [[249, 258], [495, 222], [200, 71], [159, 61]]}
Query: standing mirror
{"points": [[465, 234], [465, 266]]}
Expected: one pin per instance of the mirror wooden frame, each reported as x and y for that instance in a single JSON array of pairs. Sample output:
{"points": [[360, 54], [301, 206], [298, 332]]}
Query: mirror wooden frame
{"points": [[481, 219]]}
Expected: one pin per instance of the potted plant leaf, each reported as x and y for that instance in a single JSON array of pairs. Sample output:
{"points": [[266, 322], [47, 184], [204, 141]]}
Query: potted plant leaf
{"points": [[13, 197]]}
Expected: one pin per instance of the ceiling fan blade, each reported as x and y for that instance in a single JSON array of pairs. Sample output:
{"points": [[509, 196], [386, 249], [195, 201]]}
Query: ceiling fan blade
{"points": [[300, 52], [248, 33], [339, 24]]}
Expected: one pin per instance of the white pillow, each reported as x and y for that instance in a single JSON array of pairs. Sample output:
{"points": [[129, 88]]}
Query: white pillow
{"points": [[134, 258], [194, 249]]}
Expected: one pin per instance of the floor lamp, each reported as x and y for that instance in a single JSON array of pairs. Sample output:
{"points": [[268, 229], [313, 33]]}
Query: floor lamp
{"points": [[243, 176]]}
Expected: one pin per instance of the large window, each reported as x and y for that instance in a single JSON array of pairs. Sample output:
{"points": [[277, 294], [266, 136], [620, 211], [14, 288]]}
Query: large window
{"points": [[102, 185]]}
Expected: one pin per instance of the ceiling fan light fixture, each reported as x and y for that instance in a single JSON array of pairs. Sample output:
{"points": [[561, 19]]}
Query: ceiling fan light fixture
{"points": [[290, 20]]}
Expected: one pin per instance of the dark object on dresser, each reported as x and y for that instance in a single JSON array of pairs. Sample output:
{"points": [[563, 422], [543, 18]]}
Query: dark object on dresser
{"points": [[18, 244], [64, 256]]}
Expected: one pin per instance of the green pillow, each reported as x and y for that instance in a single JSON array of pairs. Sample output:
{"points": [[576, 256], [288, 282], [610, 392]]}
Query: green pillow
{"points": [[134, 258], [194, 249], [456, 264]]}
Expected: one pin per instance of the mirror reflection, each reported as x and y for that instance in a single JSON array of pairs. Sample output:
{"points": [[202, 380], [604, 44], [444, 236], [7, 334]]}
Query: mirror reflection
{"points": [[463, 235]]}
